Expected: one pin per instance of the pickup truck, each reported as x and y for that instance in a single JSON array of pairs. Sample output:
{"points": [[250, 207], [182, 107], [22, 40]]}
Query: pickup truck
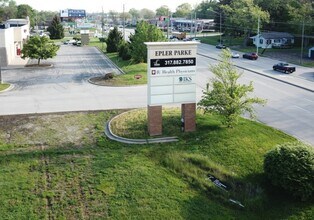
{"points": [[284, 67]]}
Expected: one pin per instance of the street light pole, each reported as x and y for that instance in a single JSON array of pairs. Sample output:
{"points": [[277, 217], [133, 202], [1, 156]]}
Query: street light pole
{"points": [[220, 21], [257, 42], [220, 27], [302, 42]]}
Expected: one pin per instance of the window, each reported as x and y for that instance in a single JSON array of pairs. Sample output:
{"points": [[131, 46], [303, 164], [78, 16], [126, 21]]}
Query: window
{"points": [[261, 41]]}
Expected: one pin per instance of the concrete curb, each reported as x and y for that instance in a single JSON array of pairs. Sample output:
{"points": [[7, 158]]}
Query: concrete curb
{"points": [[262, 74], [8, 89], [115, 137]]}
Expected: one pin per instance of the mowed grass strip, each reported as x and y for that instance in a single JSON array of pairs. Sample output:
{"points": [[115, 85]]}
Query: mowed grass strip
{"points": [[82, 174], [4, 86]]}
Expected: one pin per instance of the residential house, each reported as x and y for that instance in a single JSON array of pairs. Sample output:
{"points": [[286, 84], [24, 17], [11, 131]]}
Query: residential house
{"points": [[13, 35], [273, 39]]}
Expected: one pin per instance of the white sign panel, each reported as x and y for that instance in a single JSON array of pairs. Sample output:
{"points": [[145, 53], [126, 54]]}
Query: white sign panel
{"points": [[171, 72]]}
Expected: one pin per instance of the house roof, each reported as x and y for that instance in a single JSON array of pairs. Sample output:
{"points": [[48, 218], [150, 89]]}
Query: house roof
{"points": [[276, 35]]}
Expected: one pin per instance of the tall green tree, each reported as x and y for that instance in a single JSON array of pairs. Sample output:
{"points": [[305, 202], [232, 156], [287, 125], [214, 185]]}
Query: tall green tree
{"points": [[243, 15], [56, 29], [147, 13], [183, 10], [8, 10], [114, 40], [163, 11], [40, 48], [135, 14], [204, 9], [226, 97], [144, 33], [24, 11]]}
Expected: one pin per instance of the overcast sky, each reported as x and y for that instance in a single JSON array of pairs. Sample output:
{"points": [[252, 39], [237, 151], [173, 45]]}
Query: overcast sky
{"points": [[96, 5]]}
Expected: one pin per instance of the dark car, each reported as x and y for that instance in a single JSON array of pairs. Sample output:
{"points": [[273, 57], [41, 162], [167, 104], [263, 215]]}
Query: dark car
{"points": [[284, 67], [221, 46], [250, 56]]}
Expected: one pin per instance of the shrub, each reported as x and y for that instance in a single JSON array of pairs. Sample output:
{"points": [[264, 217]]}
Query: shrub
{"points": [[291, 167], [124, 51], [109, 76], [102, 39]]}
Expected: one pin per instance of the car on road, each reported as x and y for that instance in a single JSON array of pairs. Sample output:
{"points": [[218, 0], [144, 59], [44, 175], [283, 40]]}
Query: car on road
{"points": [[221, 46], [235, 55], [284, 67], [250, 56]]}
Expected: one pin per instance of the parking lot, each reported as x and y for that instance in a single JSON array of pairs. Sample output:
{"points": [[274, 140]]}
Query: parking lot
{"points": [[64, 87]]}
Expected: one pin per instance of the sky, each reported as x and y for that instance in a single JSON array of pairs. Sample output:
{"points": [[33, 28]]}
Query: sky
{"points": [[96, 5]]}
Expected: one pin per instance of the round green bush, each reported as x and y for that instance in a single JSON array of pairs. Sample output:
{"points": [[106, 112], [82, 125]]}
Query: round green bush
{"points": [[291, 167]]}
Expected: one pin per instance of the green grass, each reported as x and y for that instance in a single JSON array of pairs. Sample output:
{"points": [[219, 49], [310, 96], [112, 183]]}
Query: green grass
{"points": [[61, 166], [131, 69], [94, 42], [4, 86]]}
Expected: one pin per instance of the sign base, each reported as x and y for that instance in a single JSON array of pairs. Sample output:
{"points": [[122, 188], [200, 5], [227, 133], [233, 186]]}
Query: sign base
{"points": [[188, 117], [154, 117]]}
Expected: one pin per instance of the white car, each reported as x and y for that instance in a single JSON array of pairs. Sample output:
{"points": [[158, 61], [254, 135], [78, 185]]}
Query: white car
{"points": [[235, 55]]}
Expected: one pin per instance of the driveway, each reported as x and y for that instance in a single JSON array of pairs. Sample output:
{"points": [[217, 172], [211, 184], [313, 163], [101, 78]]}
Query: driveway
{"points": [[64, 86]]}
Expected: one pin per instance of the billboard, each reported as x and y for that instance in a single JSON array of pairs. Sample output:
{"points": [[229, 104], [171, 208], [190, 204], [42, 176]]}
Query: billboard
{"points": [[73, 13]]}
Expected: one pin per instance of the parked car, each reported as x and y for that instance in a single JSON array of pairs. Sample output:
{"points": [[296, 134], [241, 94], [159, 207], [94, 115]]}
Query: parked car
{"points": [[250, 56], [235, 55], [221, 46], [284, 67], [195, 39]]}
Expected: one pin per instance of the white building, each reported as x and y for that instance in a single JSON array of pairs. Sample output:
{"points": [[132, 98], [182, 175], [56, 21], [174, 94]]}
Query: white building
{"points": [[270, 39], [13, 35]]}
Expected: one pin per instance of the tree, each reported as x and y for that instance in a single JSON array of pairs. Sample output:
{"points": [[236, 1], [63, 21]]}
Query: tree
{"points": [[163, 11], [24, 11], [202, 9], [8, 10], [147, 14], [56, 29], [113, 15], [113, 41], [183, 10], [228, 98], [40, 48], [244, 14], [144, 33], [135, 14]]}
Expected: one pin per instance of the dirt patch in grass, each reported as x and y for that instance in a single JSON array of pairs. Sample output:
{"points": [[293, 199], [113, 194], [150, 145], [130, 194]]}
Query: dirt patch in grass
{"points": [[66, 129]]}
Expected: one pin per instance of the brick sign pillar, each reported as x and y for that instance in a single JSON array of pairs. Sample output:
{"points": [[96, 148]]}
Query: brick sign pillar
{"points": [[188, 116], [154, 116]]}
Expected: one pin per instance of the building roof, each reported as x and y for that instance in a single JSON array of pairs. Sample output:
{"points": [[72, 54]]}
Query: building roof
{"points": [[276, 35]]}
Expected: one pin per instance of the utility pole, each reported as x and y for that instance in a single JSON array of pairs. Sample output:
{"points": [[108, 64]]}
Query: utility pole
{"points": [[102, 29], [257, 43], [302, 42], [123, 22], [168, 19], [220, 27], [195, 25], [191, 24]]}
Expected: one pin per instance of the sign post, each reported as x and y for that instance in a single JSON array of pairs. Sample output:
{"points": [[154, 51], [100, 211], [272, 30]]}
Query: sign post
{"points": [[171, 79]]}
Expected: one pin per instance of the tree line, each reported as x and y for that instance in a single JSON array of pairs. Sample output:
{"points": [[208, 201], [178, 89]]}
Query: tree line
{"points": [[10, 10]]}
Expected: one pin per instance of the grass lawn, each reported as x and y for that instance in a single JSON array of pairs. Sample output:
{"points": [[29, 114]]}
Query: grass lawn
{"points": [[130, 69], [4, 86], [60, 166]]}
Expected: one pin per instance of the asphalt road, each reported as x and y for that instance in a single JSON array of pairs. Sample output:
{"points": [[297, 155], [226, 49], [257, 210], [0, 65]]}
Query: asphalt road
{"points": [[64, 87]]}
